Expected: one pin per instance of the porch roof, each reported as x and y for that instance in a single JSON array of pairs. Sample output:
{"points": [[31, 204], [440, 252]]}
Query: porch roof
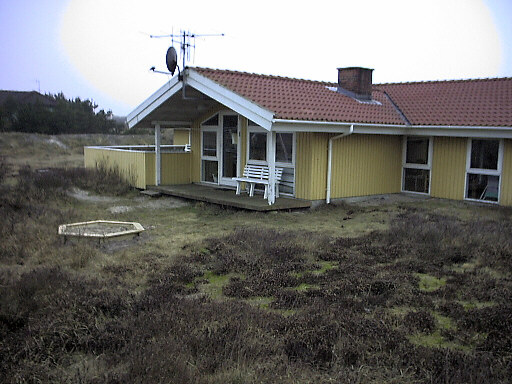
{"points": [[171, 106], [183, 99]]}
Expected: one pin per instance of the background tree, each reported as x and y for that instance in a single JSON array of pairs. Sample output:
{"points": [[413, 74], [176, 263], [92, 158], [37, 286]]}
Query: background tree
{"points": [[61, 115]]}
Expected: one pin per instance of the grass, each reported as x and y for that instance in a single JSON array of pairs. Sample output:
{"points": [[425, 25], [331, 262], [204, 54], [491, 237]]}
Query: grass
{"points": [[429, 283], [215, 283], [408, 292]]}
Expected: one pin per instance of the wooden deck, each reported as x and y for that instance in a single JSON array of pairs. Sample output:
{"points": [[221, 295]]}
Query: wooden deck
{"points": [[227, 197]]}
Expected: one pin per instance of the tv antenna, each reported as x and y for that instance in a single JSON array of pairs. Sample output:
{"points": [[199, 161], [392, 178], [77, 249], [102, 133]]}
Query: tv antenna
{"points": [[187, 42]]}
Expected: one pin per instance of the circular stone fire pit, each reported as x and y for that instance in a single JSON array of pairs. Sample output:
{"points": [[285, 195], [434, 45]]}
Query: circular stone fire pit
{"points": [[100, 229]]}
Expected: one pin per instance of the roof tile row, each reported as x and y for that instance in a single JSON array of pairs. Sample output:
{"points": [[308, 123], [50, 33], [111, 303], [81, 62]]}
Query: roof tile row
{"points": [[482, 102]]}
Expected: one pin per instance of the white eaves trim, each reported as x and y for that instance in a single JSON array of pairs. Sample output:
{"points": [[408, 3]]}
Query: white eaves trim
{"points": [[154, 101], [393, 129], [261, 116]]}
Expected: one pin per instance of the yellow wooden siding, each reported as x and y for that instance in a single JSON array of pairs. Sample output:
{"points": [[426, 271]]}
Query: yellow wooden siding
{"points": [[366, 165], [302, 166], [506, 175], [150, 169], [175, 168], [311, 165], [448, 167], [181, 137], [129, 164], [138, 168], [361, 165]]}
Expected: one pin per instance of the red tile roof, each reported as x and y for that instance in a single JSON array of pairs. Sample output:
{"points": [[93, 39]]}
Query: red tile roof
{"points": [[484, 102]]}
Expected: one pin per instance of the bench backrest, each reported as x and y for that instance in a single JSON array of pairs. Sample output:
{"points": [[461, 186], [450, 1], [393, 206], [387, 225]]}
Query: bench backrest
{"points": [[261, 172]]}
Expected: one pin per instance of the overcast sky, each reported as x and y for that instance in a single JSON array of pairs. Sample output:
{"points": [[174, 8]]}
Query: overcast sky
{"points": [[101, 49]]}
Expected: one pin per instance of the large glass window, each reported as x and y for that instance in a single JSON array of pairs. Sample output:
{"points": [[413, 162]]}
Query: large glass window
{"points": [[416, 164], [210, 143], [229, 145], [209, 154], [258, 146], [417, 150], [210, 170], [416, 180], [284, 147], [212, 121], [484, 154], [483, 170]]}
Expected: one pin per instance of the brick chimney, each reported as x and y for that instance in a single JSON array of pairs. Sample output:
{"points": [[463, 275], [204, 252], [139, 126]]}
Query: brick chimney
{"points": [[355, 82]]}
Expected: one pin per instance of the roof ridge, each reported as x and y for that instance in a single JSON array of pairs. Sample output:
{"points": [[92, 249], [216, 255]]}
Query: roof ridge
{"points": [[335, 83], [263, 75], [447, 81]]}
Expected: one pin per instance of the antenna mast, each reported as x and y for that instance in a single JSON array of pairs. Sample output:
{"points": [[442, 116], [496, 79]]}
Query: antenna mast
{"points": [[186, 40]]}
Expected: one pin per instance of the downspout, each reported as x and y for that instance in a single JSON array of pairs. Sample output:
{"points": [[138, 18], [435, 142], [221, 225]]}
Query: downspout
{"points": [[329, 161]]}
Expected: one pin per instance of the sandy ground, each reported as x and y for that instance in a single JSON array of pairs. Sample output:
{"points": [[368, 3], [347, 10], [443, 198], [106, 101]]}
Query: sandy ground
{"points": [[123, 205]]}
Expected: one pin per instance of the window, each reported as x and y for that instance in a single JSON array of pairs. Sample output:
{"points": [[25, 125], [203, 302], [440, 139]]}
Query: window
{"points": [[210, 170], [417, 159], [258, 146], [483, 169], [209, 154], [484, 154], [284, 147], [417, 151], [210, 143], [213, 121]]}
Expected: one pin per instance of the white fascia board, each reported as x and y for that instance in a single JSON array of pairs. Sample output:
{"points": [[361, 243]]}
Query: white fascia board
{"points": [[302, 126], [261, 116], [154, 101], [391, 129]]}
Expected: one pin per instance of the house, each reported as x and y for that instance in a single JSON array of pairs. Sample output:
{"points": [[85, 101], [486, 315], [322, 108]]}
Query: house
{"points": [[446, 139], [26, 97]]}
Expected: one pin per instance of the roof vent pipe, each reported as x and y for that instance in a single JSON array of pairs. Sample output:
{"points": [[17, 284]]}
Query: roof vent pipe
{"points": [[329, 162]]}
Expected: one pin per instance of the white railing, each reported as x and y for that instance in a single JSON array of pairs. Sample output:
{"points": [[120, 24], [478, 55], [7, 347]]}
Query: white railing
{"points": [[145, 148]]}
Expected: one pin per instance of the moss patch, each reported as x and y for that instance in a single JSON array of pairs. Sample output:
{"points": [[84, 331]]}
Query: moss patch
{"points": [[215, 283], [324, 267], [260, 301], [305, 287], [467, 305], [434, 340], [430, 283]]}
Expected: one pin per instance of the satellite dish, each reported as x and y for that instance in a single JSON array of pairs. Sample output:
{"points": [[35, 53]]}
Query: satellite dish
{"points": [[171, 59]]}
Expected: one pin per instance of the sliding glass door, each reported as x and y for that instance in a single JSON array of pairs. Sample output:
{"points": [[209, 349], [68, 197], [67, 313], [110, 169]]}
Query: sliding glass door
{"points": [[220, 136]]}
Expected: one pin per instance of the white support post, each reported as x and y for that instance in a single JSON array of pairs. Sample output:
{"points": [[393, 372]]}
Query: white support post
{"points": [[158, 159], [271, 156]]}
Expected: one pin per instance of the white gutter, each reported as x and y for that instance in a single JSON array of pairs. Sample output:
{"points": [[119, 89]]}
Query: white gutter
{"points": [[403, 126], [329, 161]]}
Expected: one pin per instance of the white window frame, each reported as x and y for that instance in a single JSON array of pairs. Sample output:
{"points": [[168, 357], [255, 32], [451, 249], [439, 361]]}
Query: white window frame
{"points": [[291, 164], [224, 180], [211, 128], [427, 167], [482, 171], [294, 148], [255, 129]]}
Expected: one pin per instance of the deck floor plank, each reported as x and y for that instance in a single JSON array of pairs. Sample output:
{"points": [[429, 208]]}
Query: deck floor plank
{"points": [[228, 197]]}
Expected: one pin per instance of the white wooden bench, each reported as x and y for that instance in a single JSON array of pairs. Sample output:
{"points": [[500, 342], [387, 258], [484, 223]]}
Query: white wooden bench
{"points": [[257, 174]]}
